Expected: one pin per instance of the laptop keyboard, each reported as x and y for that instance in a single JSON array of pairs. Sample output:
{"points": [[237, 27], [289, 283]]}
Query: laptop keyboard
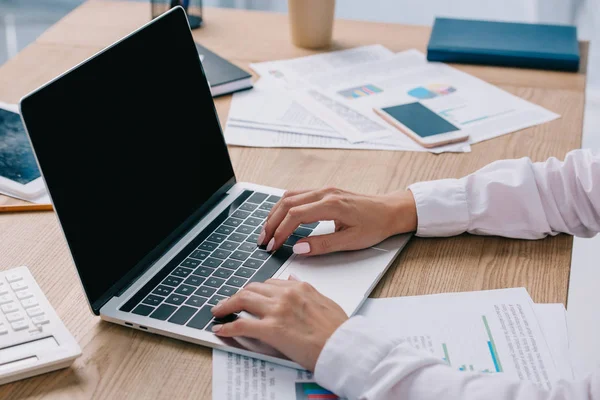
{"points": [[220, 261]]}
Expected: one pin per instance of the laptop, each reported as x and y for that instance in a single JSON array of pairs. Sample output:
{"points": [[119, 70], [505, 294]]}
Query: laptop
{"points": [[131, 150]]}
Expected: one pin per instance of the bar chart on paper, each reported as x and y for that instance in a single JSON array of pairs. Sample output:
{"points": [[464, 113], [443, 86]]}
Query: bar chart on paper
{"points": [[312, 391], [495, 363]]}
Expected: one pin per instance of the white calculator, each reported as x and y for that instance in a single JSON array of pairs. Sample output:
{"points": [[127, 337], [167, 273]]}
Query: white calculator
{"points": [[33, 340]]}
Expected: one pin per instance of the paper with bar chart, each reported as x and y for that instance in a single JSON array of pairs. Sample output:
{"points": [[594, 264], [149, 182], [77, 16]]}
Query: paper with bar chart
{"points": [[490, 332], [345, 99]]}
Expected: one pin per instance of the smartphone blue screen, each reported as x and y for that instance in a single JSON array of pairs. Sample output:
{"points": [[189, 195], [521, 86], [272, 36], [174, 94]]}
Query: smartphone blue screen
{"points": [[420, 119]]}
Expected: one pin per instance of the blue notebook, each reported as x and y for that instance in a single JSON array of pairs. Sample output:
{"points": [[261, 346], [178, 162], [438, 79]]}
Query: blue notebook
{"points": [[553, 47]]}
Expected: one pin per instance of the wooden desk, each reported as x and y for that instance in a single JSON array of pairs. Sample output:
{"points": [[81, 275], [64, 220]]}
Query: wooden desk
{"points": [[118, 362]]}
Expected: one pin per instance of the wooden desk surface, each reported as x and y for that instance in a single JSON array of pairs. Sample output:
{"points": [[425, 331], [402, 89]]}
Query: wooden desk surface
{"points": [[119, 362]]}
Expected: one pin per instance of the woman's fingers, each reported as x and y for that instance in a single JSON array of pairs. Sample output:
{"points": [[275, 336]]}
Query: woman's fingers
{"points": [[244, 300], [303, 214], [248, 327], [283, 206], [323, 244]]}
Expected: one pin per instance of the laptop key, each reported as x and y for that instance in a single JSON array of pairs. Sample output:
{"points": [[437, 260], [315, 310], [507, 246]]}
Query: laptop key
{"points": [[214, 282], [216, 237], [258, 230], [261, 255], [229, 246], [163, 290], [273, 199], [199, 254], [249, 247], [292, 240], [227, 291], [252, 238], [272, 264], [207, 246], [182, 272], [253, 263], [257, 198], [223, 273], [241, 214], [240, 255], [194, 280], [215, 299], [300, 231], [262, 214], [182, 315], [244, 272], [205, 291], [266, 206], [163, 312], [185, 290], [203, 271], [190, 263], [245, 229], [202, 317], [237, 237], [253, 221], [224, 230], [175, 299], [220, 253], [143, 309], [236, 281], [232, 221], [248, 207], [172, 281], [195, 301], [212, 262], [231, 264], [153, 300]]}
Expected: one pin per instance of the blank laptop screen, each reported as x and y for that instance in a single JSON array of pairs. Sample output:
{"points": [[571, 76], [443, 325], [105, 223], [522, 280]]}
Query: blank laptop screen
{"points": [[130, 147]]}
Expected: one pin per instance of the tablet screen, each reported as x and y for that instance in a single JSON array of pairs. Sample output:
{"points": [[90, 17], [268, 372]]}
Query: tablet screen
{"points": [[17, 161]]}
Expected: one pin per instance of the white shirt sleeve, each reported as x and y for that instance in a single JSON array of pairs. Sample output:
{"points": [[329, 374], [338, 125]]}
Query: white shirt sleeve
{"points": [[364, 361], [515, 198]]}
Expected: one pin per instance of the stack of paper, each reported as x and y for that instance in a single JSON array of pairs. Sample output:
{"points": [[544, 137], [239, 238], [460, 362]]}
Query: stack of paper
{"points": [[494, 331], [327, 100]]}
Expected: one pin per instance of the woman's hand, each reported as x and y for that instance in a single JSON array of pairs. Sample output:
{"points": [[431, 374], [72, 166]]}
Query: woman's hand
{"points": [[360, 220], [293, 318]]}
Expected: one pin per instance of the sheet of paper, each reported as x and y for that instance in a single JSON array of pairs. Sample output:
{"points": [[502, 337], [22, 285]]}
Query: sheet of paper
{"points": [[245, 135], [345, 98], [493, 331], [553, 322], [295, 72]]}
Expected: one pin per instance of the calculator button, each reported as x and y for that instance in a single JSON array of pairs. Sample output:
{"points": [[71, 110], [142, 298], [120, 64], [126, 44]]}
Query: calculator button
{"points": [[24, 294], [13, 277], [8, 308], [41, 320], [7, 298], [16, 316], [35, 311], [30, 302], [3, 329], [3, 288], [18, 285], [19, 325]]}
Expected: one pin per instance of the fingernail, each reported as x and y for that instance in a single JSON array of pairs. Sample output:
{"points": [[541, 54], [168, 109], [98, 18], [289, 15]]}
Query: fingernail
{"points": [[261, 237], [293, 277], [217, 328], [301, 248], [218, 305], [271, 244]]}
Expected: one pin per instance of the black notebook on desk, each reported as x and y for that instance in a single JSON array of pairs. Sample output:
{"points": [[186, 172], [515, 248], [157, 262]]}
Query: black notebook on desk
{"points": [[223, 76]]}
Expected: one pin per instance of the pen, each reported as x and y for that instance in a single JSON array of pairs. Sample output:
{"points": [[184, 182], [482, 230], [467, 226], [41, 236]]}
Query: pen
{"points": [[26, 207]]}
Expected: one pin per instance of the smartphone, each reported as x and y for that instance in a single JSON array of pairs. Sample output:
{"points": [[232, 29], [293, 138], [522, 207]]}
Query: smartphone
{"points": [[421, 124]]}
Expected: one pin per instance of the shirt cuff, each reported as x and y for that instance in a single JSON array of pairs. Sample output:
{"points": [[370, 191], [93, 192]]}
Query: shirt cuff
{"points": [[350, 356], [442, 207]]}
